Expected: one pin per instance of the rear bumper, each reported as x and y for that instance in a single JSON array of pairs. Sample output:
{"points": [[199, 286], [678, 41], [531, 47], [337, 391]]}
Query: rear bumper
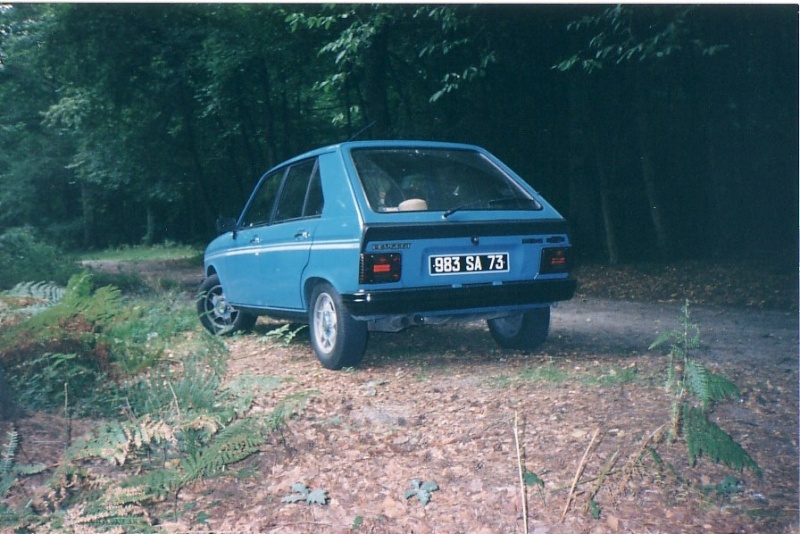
{"points": [[456, 299]]}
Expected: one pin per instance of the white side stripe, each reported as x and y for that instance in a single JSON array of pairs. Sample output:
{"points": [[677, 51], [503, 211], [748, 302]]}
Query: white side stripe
{"points": [[327, 245]]}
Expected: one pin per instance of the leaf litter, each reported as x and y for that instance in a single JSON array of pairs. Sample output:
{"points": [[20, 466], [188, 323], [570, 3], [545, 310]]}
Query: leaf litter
{"points": [[438, 404]]}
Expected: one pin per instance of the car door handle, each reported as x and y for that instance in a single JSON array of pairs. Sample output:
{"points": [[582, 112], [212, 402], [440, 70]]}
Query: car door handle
{"points": [[302, 234], [255, 240]]}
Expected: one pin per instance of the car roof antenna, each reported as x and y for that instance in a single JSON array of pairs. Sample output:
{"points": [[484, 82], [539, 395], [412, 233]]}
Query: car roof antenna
{"points": [[362, 130]]}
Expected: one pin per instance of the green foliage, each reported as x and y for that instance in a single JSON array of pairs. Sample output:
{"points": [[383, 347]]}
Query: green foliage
{"points": [[235, 443], [708, 387], [594, 509], [81, 302], [617, 36], [10, 470], [46, 381], [145, 331], [614, 377], [25, 257], [529, 478], [705, 438], [290, 406], [421, 490], [27, 299], [62, 347], [532, 479], [303, 494], [693, 378], [181, 422], [7, 461], [689, 379], [726, 488], [87, 334], [103, 515], [167, 250], [284, 334], [128, 283], [241, 392], [192, 427], [545, 373], [103, 117], [48, 293], [118, 441]]}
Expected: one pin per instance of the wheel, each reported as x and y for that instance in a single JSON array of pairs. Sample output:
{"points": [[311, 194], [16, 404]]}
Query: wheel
{"points": [[338, 339], [524, 331], [216, 315]]}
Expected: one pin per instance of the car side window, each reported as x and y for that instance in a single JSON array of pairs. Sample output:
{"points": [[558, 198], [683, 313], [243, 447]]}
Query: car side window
{"points": [[314, 201], [260, 209], [295, 191]]}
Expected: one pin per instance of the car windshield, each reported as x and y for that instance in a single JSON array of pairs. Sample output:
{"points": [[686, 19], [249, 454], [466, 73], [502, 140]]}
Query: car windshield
{"points": [[434, 179]]}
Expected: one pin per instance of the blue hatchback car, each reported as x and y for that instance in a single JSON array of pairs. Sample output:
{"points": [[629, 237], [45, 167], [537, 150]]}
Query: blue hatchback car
{"points": [[382, 235]]}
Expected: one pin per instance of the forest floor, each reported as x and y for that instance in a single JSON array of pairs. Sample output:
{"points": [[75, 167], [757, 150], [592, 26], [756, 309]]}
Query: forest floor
{"points": [[444, 404]]}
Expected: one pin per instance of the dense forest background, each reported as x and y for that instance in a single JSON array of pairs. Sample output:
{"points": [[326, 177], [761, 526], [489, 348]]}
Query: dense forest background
{"points": [[658, 131]]}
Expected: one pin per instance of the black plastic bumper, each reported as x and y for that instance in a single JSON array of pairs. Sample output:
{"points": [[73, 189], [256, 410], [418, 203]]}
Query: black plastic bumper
{"points": [[444, 298]]}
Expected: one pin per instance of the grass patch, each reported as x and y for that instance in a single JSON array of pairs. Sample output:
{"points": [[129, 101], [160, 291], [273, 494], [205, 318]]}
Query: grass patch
{"points": [[614, 377], [163, 252], [501, 381], [546, 373]]}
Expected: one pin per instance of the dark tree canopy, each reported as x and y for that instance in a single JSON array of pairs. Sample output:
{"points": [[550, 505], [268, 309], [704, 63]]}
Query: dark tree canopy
{"points": [[658, 131]]}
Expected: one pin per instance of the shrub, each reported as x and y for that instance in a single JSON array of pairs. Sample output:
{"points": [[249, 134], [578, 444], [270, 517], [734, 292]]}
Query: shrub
{"points": [[24, 258], [694, 390]]}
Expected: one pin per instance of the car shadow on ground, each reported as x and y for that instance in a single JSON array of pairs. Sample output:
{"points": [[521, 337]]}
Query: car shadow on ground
{"points": [[470, 342]]}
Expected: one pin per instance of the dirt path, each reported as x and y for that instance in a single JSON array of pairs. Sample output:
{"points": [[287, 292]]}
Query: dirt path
{"points": [[728, 334]]}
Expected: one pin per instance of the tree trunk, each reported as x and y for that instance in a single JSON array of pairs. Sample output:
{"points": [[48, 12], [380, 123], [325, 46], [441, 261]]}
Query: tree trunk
{"points": [[605, 204], [269, 119], [150, 231], [375, 87], [87, 215], [581, 215], [649, 178]]}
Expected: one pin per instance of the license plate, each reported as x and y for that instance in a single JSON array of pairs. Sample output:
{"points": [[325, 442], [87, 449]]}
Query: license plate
{"points": [[468, 263]]}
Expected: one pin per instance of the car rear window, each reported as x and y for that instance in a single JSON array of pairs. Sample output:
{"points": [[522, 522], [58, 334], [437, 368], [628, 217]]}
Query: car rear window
{"points": [[426, 179]]}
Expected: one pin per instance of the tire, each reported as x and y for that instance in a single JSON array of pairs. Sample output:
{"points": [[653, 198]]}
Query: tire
{"points": [[216, 315], [338, 339], [525, 331]]}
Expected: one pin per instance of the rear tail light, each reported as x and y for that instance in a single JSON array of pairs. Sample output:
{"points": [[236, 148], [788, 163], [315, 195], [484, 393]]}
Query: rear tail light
{"points": [[555, 260], [380, 268]]}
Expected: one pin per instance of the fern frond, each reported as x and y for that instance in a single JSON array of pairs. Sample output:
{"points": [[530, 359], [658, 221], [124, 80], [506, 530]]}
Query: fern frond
{"points": [[47, 292], [158, 484], [30, 469], [208, 423], [721, 388], [7, 459], [126, 495], [290, 406], [104, 517], [705, 438], [242, 391], [102, 307], [707, 386], [115, 442], [232, 445], [9, 453], [662, 338]]}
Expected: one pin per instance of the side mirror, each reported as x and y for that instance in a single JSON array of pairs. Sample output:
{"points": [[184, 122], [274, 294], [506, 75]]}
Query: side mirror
{"points": [[226, 224]]}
